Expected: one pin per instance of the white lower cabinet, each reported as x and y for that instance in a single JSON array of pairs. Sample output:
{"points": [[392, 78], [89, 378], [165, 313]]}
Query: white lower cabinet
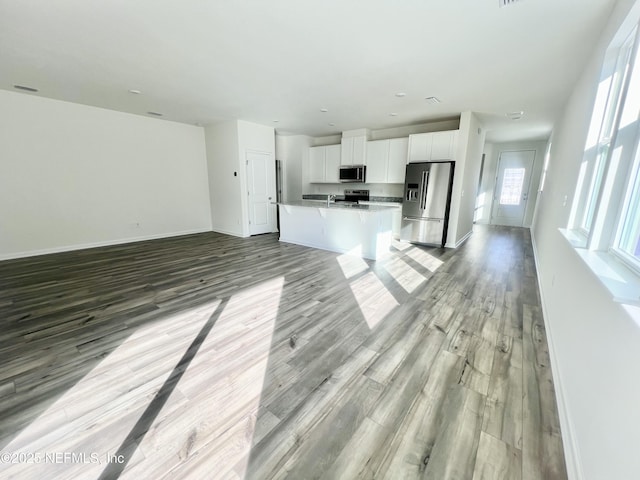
{"points": [[365, 233], [386, 160], [396, 216]]}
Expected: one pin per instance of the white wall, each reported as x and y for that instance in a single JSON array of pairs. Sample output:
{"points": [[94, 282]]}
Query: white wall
{"points": [[406, 130], [465, 179], [225, 177], [486, 192], [74, 176], [258, 138], [227, 144], [292, 150], [594, 342]]}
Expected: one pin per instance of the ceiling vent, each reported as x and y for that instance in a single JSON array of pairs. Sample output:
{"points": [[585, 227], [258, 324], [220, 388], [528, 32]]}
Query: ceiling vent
{"points": [[506, 3]]}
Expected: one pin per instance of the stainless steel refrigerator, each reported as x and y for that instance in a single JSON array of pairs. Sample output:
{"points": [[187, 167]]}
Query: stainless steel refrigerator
{"points": [[426, 203]]}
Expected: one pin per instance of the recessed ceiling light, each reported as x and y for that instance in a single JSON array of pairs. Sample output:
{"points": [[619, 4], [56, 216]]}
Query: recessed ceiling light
{"points": [[324, 110], [515, 115], [155, 114], [25, 88], [332, 124], [394, 114], [400, 94], [433, 100], [135, 92]]}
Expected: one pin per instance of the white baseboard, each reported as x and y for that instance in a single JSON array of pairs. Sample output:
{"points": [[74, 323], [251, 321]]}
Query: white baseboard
{"points": [[82, 246], [233, 234], [459, 242], [571, 455]]}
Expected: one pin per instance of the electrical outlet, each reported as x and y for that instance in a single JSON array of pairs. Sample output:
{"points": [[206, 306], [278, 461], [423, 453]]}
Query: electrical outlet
{"points": [[564, 201]]}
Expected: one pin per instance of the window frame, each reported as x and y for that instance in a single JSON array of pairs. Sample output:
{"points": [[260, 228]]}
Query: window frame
{"points": [[596, 164], [607, 183], [633, 188]]}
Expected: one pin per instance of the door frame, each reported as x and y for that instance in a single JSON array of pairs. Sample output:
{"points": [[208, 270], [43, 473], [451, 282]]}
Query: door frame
{"points": [[271, 187], [528, 187]]}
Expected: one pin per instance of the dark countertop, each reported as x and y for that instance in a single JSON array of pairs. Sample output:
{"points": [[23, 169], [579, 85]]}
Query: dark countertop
{"points": [[336, 206], [323, 196]]}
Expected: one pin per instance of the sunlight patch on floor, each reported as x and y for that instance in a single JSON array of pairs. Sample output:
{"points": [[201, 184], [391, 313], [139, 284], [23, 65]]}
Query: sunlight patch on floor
{"points": [[373, 298], [216, 426], [401, 246], [423, 258], [209, 418], [404, 274], [352, 265], [91, 419]]}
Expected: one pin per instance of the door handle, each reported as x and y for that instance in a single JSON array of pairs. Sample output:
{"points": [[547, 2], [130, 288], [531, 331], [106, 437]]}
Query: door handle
{"points": [[422, 219], [423, 193]]}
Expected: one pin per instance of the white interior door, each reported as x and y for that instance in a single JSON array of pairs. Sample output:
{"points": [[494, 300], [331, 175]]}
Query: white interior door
{"points": [[512, 187], [261, 192]]}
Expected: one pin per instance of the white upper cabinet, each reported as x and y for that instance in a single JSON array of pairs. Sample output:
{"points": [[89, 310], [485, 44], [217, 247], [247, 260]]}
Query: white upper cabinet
{"points": [[425, 147], [324, 164], [353, 150], [443, 145], [398, 149], [377, 161], [386, 160], [420, 147], [332, 164], [316, 164]]}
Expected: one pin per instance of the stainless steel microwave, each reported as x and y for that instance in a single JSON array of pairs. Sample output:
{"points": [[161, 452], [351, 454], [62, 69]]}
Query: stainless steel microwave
{"points": [[353, 173]]}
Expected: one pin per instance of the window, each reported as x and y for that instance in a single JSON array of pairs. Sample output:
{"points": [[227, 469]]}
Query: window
{"points": [[512, 181], [606, 208], [614, 77], [628, 242]]}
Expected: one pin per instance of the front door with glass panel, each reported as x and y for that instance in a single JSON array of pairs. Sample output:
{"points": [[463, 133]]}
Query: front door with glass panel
{"points": [[512, 187]]}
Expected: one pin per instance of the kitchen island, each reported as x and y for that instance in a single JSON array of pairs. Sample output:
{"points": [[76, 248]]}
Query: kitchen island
{"points": [[360, 230]]}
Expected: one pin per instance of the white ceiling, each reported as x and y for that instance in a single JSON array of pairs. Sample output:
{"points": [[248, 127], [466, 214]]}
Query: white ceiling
{"points": [[202, 61]]}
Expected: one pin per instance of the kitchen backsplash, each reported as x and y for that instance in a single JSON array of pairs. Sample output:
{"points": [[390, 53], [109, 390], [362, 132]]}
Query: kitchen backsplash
{"points": [[390, 190]]}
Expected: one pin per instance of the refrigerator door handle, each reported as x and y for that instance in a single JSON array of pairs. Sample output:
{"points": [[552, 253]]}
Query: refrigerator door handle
{"points": [[423, 190], [426, 219]]}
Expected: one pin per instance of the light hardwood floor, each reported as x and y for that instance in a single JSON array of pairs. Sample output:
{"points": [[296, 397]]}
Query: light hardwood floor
{"points": [[208, 356]]}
